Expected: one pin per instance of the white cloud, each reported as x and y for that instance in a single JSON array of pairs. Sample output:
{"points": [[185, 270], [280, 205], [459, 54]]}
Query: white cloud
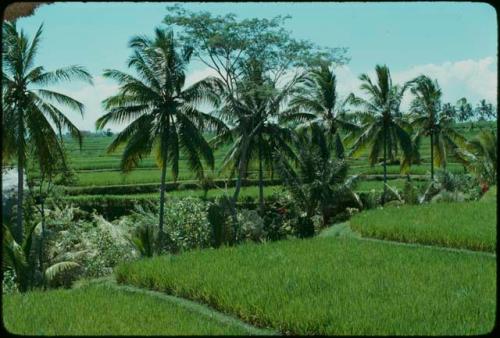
{"points": [[473, 79], [91, 97], [199, 75]]}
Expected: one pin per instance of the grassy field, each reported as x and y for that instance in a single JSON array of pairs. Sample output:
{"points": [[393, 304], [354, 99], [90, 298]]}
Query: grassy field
{"points": [[467, 225], [333, 286], [251, 191], [94, 166], [102, 310]]}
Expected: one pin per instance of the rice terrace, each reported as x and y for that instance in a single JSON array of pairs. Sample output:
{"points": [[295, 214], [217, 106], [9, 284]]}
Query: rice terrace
{"points": [[249, 168]]}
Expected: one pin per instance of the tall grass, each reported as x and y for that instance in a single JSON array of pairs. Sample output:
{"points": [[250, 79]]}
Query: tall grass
{"points": [[467, 225], [333, 286], [102, 310]]}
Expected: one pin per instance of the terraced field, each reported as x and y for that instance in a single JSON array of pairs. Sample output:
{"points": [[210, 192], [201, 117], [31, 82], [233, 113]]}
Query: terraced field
{"points": [[95, 167], [98, 173]]}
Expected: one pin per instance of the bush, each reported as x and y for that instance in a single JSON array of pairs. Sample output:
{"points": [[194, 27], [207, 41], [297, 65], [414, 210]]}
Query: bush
{"points": [[96, 245], [371, 199], [304, 227], [250, 226], [411, 192], [186, 223], [9, 281]]}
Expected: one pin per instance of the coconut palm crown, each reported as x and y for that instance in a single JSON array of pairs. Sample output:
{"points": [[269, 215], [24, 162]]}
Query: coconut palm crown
{"points": [[383, 125], [316, 103], [428, 119], [30, 110], [164, 114]]}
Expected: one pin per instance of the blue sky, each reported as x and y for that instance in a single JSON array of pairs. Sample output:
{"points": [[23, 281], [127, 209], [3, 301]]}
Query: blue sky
{"points": [[453, 42]]}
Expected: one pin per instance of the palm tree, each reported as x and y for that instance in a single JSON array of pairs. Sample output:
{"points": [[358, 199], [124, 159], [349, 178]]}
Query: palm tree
{"points": [[316, 181], [426, 105], [20, 258], [164, 113], [480, 155], [485, 111], [382, 123], [316, 103], [430, 120], [254, 130], [449, 110], [28, 108], [464, 110]]}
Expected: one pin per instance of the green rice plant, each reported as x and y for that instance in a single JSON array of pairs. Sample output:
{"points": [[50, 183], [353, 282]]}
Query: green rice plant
{"points": [[103, 310], [467, 225], [332, 286]]}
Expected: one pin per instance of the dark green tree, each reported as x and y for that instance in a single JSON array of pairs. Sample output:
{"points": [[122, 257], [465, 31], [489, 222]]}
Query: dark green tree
{"points": [[383, 126], [317, 180], [317, 105], [464, 110], [227, 46], [29, 108], [164, 116], [255, 133], [429, 120]]}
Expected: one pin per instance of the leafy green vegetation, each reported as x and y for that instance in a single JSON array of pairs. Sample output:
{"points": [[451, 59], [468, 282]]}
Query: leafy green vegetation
{"points": [[103, 310], [469, 225], [214, 145], [490, 195], [332, 286]]}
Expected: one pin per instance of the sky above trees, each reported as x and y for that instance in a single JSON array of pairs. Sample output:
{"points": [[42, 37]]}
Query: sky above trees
{"points": [[456, 43]]}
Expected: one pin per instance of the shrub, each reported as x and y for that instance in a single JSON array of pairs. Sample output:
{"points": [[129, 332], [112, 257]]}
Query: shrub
{"points": [[250, 226], [9, 281], [186, 224], [370, 199], [410, 193], [304, 227], [96, 245]]}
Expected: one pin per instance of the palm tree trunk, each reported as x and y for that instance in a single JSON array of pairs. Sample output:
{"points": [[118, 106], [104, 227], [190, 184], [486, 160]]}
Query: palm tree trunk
{"points": [[261, 178], [162, 194], [432, 156], [19, 233], [241, 171], [385, 164], [42, 237]]}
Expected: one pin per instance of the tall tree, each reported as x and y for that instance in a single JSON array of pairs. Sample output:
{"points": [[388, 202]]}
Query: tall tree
{"points": [[255, 132], [29, 108], [426, 105], [317, 180], [164, 116], [480, 155], [449, 110], [226, 45], [484, 111], [464, 110], [382, 125], [317, 103], [430, 120]]}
